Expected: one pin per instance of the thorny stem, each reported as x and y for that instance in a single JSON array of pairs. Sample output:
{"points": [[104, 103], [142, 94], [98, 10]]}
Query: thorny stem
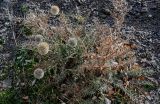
{"points": [[10, 15]]}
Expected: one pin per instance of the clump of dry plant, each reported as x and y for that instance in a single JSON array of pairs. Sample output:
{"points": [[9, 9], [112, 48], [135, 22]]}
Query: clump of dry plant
{"points": [[85, 65], [38, 22], [119, 12], [111, 52]]}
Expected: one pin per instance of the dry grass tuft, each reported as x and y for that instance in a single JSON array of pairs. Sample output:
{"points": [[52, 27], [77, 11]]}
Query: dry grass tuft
{"points": [[111, 52], [37, 22]]}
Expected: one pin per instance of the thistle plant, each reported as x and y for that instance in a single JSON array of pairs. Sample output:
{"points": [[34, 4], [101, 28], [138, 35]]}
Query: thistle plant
{"points": [[86, 65]]}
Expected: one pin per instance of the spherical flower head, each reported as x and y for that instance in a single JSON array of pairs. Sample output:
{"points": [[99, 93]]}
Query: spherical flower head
{"points": [[38, 73], [38, 38], [43, 48], [72, 42], [55, 10]]}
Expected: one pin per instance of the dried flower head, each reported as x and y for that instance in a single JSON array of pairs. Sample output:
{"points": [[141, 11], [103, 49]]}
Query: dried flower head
{"points": [[72, 42], [38, 38], [38, 22], [55, 10], [38, 73], [43, 48]]}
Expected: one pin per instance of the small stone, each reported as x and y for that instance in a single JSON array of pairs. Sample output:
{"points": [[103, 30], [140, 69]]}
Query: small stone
{"points": [[22, 84], [3, 30], [146, 102], [159, 90], [148, 97], [150, 16], [94, 98], [107, 101], [25, 98]]}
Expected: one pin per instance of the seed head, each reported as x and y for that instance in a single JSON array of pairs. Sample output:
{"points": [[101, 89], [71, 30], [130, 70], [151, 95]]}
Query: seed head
{"points": [[72, 42], [43, 48], [55, 10], [38, 38], [38, 73]]}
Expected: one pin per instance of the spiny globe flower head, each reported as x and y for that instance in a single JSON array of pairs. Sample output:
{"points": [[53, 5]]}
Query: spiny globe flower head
{"points": [[72, 41], [55, 10], [38, 73], [38, 38], [43, 48]]}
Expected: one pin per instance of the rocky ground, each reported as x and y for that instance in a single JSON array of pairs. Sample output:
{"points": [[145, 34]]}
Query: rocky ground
{"points": [[141, 26], [6, 35]]}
